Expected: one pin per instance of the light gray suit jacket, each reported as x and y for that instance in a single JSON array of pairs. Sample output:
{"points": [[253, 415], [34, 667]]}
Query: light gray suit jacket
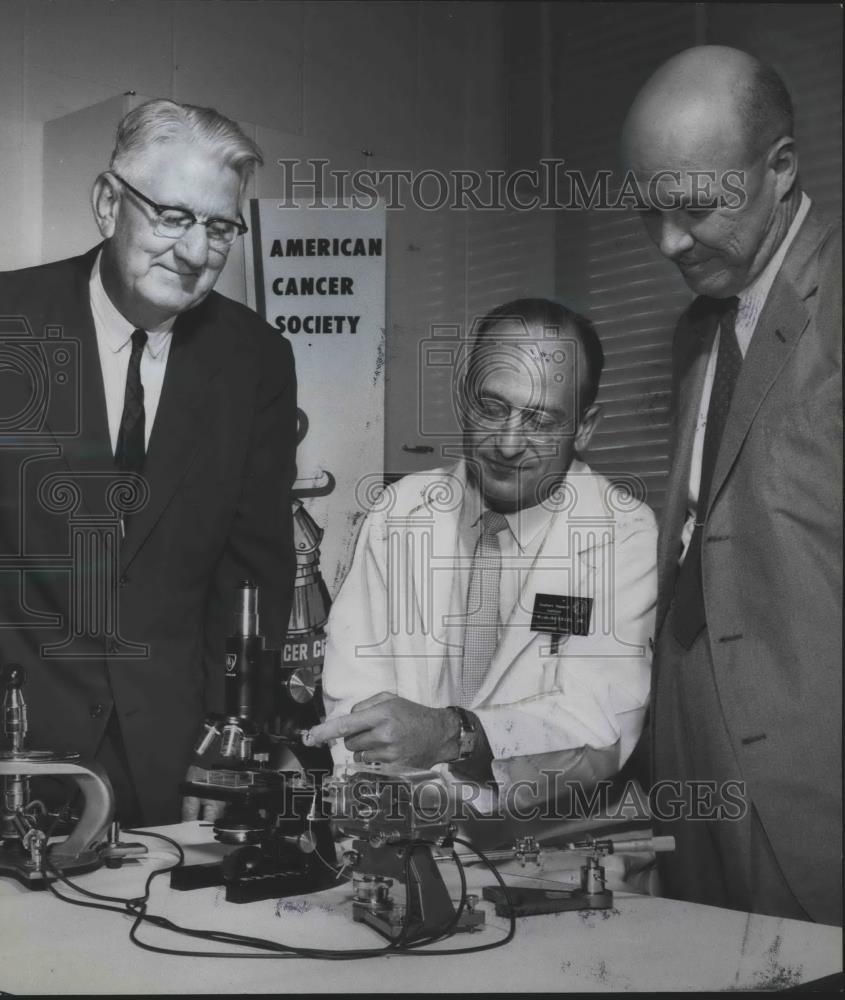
{"points": [[772, 555]]}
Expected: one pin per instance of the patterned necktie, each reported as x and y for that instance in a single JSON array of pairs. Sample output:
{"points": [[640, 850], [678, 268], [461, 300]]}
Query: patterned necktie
{"points": [[129, 453], [688, 617], [481, 633]]}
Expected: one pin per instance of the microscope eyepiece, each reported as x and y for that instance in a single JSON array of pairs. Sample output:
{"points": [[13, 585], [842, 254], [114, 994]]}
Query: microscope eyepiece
{"points": [[246, 609]]}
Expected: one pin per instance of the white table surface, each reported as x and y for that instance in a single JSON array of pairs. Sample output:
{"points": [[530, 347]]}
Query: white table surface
{"points": [[643, 943]]}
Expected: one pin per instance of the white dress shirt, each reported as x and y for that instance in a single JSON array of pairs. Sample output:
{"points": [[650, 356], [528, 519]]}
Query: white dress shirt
{"points": [[397, 623], [519, 544], [751, 302], [114, 342]]}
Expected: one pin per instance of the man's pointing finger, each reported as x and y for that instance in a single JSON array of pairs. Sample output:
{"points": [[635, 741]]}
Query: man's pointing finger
{"points": [[337, 728]]}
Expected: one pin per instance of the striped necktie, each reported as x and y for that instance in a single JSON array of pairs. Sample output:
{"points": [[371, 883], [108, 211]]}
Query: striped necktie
{"points": [[481, 633]]}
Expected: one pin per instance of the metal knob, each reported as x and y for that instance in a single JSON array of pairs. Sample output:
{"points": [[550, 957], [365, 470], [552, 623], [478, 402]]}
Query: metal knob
{"points": [[372, 890], [232, 738]]}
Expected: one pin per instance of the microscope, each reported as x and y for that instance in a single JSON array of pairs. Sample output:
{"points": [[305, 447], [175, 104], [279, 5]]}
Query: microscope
{"points": [[273, 817], [25, 822]]}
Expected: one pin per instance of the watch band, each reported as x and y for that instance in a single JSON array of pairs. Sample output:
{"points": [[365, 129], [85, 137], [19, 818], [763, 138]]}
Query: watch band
{"points": [[467, 735]]}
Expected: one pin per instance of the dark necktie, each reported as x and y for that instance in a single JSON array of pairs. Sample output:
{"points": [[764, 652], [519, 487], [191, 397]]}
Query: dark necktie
{"points": [[129, 453], [688, 616], [481, 633]]}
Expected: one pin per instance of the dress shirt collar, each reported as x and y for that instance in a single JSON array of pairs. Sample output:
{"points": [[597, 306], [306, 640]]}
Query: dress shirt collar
{"points": [[113, 326], [525, 525], [753, 298]]}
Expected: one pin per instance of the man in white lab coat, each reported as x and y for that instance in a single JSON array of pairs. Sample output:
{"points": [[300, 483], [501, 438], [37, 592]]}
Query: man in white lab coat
{"points": [[495, 623]]}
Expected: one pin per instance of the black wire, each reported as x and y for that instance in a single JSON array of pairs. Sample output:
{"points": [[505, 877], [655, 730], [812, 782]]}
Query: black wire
{"points": [[63, 813], [271, 949], [274, 948], [400, 940], [78, 902], [511, 915], [137, 907], [59, 877], [449, 929]]}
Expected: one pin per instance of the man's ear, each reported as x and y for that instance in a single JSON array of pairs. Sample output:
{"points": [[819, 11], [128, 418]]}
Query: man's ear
{"points": [[782, 158], [586, 427], [105, 201]]}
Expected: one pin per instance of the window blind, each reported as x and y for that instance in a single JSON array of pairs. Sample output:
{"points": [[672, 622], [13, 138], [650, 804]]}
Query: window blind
{"points": [[605, 265]]}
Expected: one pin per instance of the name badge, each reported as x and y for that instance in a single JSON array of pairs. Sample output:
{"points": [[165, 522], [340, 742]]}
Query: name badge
{"points": [[557, 614]]}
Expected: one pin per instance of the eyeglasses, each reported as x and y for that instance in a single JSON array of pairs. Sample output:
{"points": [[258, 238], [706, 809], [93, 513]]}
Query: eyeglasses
{"points": [[173, 222], [490, 412]]}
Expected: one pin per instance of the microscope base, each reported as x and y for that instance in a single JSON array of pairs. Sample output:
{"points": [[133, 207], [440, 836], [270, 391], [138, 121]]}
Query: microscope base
{"points": [[249, 888], [196, 876], [14, 862], [282, 850], [390, 922]]}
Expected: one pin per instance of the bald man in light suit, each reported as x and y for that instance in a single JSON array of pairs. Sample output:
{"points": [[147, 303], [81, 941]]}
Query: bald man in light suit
{"points": [[747, 681]]}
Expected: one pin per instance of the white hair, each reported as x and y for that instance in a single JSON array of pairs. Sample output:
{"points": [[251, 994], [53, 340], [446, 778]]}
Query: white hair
{"points": [[161, 121]]}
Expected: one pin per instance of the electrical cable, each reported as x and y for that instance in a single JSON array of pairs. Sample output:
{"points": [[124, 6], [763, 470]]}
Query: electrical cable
{"points": [[449, 928], [137, 908], [511, 914], [401, 941]]}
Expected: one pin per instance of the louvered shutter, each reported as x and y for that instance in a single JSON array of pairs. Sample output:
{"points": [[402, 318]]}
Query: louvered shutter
{"points": [[607, 267]]}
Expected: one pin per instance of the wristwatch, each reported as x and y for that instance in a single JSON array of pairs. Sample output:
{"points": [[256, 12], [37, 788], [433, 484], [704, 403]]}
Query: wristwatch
{"points": [[467, 735]]}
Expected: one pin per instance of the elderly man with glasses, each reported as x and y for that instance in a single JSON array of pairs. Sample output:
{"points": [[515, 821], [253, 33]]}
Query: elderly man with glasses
{"points": [[495, 622], [190, 399]]}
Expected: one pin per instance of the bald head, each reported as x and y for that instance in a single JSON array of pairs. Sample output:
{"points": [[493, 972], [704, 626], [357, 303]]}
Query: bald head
{"points": [[708, 141], [708, 102]]}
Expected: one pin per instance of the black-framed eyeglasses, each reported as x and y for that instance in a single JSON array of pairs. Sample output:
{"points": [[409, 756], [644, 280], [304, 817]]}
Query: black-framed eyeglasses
{"points": [[173, 221], [492, 414]]}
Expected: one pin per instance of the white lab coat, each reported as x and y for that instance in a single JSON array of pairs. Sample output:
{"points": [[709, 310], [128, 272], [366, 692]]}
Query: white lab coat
{"points": [[576, 712]]}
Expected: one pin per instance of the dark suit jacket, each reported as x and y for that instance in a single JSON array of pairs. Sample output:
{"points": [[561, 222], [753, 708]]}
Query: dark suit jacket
{"points": [[219, 467], [772, 555]]}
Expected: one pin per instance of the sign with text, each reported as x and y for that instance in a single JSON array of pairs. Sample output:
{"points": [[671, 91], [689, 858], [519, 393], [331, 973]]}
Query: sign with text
{"points": [[318, 276]]}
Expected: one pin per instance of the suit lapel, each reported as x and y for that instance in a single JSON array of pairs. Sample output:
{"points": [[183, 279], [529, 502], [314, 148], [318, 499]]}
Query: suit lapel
{"points": [[192, 363], [177, 431], [770, 348], [435, 575], [784, 318], [88, 450]]}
